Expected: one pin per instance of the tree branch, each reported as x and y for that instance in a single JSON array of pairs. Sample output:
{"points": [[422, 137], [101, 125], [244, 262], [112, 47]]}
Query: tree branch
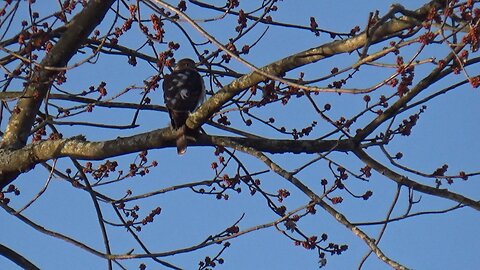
{"points": [[98, 210], [404, 181], [17, 258], [318, 200], [392, 111], [78, 29], [17, 161], [309, 56], [51, 233]]}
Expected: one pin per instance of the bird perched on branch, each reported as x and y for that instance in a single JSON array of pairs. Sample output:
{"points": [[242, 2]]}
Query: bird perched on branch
{"points": [[183, 91]]}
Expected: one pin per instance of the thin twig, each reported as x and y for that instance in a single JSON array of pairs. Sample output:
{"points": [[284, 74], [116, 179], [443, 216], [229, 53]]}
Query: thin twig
{"points": [[50, 175], [98, 210]]}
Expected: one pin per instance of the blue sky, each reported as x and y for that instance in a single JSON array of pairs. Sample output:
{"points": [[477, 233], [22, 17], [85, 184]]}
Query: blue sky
{"points": [[446, 133]]}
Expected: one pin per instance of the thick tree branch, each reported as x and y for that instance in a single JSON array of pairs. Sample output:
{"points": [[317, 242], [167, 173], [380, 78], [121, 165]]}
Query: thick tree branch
{"points": [[24, 159], [392, 27], [17, 258], [282, 146], [78, 29]]}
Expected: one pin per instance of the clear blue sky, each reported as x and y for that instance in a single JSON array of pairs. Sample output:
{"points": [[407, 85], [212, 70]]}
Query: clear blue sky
{"points": [[446, 133]]}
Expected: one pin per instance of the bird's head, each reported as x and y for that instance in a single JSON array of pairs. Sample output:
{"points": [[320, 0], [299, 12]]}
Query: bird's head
{"points": [[185, 63]]}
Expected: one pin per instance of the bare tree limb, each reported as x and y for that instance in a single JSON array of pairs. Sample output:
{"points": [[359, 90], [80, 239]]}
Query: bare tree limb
{"points": [[17, 258], [318, 200], [21, 160], [98, 210], [435, 75], [78, 29], [51, 233], [404, 181], [395, 26]]}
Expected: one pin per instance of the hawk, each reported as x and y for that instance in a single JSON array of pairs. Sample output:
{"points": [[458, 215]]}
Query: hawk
{"points": [[183, 91]]}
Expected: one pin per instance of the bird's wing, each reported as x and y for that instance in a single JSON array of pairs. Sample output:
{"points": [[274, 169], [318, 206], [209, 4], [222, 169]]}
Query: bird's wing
{"points": [[183, 90]]}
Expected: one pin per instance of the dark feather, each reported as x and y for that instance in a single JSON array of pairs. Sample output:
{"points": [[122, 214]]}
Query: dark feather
{"points": [[178, 118], [183, 91]]}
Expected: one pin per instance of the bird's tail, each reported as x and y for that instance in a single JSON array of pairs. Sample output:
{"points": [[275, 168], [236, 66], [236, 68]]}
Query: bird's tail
{"points": [[181, 140]]}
